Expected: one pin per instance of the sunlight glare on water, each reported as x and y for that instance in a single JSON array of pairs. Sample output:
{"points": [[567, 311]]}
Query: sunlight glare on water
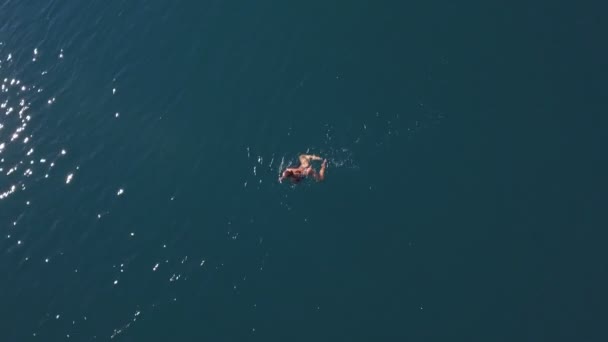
{"points": [[24, 106]]}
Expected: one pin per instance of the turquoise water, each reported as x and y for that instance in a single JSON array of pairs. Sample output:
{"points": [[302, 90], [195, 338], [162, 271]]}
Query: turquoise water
{"points": [[141, 141]]}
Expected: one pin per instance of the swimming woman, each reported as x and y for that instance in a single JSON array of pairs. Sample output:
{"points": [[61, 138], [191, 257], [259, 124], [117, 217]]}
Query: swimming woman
{"points": [[296, 174]]}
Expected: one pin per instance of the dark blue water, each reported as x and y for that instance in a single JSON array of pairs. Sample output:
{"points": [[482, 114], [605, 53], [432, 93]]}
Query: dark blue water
{"points": [[141, 141]]}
